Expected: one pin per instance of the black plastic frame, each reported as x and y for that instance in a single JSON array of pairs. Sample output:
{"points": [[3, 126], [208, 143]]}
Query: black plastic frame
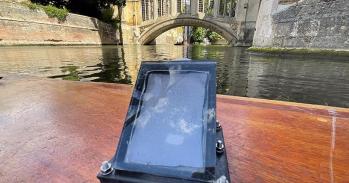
{"points": [[129, 172]]}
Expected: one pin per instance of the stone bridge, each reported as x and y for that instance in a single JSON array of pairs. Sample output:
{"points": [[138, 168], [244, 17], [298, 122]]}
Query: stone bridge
{"points": [[229, 18]]}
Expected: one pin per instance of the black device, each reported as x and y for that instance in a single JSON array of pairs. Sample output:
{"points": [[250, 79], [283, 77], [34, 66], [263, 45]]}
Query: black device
{"points": [[170, 133]]}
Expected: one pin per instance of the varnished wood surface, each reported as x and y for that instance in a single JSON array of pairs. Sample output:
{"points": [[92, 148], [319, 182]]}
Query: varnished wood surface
{"points": [[60, 131]]}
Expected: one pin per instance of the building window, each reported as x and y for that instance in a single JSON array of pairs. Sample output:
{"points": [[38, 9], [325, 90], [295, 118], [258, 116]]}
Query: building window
{"points": [[186, 5], [227, 8], [232, 8], [221, 7], [183, 6], [145, 10], [164, 7], [201, 6], [152, 12], [179, 6], [167, 5], [159, 8], [208, 6]]}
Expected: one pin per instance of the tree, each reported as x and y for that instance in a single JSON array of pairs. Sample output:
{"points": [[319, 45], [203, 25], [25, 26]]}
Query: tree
{"points": [[85, 7], [198, 34], [101, 9], [57, 3], [213, 36]]}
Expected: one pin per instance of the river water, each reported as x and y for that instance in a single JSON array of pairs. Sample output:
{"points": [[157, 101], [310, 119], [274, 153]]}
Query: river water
{"points": [[308, 80]]}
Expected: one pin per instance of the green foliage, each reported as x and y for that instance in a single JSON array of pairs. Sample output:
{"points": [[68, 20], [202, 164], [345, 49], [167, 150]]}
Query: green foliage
{"points": [[56, 3], [107, 14], [31, 6], [213, 36], [198, 34], [93, 8], [71, 72], [51, 11], [108, 17], [107, 3], [116, 23]]}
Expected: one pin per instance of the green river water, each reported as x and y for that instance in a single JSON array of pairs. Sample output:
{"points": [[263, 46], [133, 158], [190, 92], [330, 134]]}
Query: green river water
{"points": [[323, 81]]}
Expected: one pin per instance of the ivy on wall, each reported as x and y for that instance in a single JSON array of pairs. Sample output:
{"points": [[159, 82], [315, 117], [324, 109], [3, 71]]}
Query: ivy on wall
{"points": [[51, 11]]}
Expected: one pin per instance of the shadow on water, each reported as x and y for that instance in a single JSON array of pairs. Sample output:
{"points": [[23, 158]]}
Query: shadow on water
{"points": [[72, 73], [315, 81], [232, 68], [111, 69]]}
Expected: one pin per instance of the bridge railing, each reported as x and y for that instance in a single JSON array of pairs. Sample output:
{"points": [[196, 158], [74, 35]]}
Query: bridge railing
{"points": [[152, 9]]}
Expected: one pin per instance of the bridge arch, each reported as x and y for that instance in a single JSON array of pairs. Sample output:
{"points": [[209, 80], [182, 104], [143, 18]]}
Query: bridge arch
{"points": [[165, 24]]}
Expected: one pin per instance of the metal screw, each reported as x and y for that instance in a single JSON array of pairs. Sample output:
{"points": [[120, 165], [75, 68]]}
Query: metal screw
{"points": [[106, 168], [219, 147], [218, 126]]}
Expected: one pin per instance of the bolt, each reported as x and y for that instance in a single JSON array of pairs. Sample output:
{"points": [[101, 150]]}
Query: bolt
{"points": [[218, 126], [106, 168], [219, 147]]}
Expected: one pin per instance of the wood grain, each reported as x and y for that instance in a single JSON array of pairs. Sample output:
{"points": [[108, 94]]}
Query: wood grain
{"points": [[60, 131]]}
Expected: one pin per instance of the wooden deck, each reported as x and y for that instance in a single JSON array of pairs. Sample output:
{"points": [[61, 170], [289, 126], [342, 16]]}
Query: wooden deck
{"points": [[60, 131]]}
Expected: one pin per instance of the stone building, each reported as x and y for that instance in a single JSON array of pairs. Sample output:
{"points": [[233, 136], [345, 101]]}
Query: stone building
{"points": [[303, 24], [133, 16]]}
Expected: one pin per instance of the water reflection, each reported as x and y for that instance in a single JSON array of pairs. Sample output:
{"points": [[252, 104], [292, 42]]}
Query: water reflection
{"points": [[71, 71], [316, 81], [113, 68], [232, 68]]}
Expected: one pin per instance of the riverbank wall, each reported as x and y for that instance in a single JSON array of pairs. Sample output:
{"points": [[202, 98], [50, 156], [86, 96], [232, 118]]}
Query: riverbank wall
{"points": [[310, 24], [20, 25]]}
